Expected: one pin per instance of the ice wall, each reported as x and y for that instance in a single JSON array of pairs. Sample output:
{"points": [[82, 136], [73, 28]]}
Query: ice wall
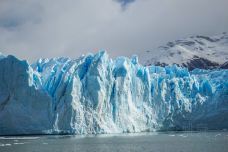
{"points": [[95, 94]]}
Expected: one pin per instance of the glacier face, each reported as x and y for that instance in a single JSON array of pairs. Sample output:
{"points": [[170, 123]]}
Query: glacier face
{"points": [[95, 94]]}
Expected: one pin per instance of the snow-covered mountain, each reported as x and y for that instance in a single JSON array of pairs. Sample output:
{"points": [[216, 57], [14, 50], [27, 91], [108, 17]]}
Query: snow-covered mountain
{"points": [[95, 94], [194, 52]]}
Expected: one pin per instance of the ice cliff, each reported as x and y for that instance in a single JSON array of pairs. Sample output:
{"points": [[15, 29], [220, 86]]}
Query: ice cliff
{"points": [[95, 94]]}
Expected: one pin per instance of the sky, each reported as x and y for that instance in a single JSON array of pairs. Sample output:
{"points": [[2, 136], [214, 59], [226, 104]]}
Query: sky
{"points": [[32, 29]]}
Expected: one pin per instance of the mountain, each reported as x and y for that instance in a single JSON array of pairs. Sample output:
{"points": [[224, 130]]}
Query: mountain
{"points": [[202, 52], [95, 94]]}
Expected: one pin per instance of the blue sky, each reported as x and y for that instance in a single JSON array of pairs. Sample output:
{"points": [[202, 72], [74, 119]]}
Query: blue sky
{"points": [[31, 29]]}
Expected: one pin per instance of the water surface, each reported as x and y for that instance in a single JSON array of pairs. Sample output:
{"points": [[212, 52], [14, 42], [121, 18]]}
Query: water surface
{"points": [[144, 142]]}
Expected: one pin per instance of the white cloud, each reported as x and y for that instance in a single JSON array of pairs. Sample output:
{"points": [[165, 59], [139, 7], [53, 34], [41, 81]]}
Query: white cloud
{"points": [[45, 28]]}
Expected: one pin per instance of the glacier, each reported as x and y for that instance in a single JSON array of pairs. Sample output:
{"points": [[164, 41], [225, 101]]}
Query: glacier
{"points": [[95, 94]]}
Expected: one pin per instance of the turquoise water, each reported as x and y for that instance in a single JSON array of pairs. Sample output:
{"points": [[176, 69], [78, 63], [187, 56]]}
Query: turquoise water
{"points": [[146, 142]]}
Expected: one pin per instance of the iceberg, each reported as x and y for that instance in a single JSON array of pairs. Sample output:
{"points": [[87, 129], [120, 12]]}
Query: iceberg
{"points": [[96, 94]]}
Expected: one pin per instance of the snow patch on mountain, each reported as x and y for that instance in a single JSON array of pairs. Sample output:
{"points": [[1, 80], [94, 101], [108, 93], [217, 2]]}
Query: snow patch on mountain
{"points": [[194, 52]]}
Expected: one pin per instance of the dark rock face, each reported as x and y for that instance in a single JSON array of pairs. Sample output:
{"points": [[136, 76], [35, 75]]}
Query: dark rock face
{"points": [[197, 63], [207, 38], [160, 64], [200, 63], [224, 66]]}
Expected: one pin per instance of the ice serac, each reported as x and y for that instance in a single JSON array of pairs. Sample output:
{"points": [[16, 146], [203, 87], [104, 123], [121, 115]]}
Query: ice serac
{"points": [[95, 94], [24, 109]]}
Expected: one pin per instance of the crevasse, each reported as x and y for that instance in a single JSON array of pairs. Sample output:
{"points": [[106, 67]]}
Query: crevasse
{"points": [[95, 94]]}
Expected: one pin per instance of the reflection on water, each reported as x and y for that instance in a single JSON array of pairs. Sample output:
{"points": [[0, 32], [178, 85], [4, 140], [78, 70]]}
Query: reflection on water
{"points": [[143, 142]]}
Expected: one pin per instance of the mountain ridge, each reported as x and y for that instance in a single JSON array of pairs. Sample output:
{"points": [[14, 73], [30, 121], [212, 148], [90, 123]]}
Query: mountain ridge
{"points": [[199, 51]]}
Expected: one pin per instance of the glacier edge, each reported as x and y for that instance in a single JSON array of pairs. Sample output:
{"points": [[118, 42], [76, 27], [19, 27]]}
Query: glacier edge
{"points": [[95, 94]]}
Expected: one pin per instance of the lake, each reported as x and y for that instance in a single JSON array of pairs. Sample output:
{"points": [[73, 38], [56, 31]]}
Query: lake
{"points": [[142, 142]]}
